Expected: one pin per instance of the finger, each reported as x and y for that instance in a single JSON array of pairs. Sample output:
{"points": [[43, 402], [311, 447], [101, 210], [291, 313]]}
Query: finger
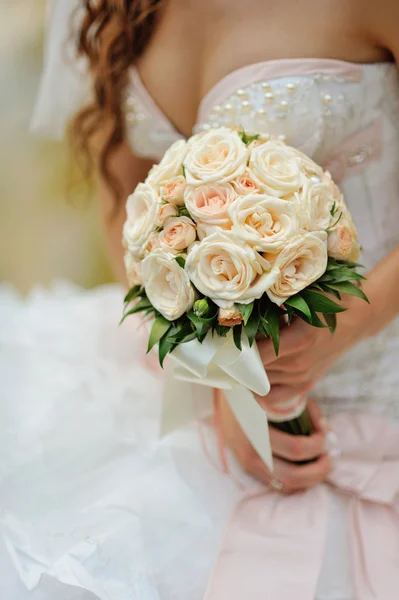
{"points": [[293, 338], [297, 448], [295, 380], [294, 477], [281, 393]]}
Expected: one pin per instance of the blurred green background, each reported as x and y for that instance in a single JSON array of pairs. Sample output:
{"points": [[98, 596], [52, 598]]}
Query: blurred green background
{"points": [[47, 231]]}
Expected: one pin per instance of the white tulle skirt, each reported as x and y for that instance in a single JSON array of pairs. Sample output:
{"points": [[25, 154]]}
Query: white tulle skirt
{"points": [[90, 496]]}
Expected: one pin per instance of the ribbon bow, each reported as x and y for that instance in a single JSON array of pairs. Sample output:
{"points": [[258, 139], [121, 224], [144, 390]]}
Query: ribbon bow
{"points": [[193, 369]]}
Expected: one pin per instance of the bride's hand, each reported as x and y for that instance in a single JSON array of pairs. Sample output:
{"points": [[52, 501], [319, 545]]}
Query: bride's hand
{"points": [[285, 448], [306, 353]]}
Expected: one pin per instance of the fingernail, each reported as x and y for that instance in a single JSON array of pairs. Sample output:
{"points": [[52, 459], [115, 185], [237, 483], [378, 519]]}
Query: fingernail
{"points": [[331, 445]]}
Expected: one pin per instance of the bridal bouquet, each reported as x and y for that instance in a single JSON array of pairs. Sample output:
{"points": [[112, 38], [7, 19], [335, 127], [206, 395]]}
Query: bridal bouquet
{"points": [[233, 236]]}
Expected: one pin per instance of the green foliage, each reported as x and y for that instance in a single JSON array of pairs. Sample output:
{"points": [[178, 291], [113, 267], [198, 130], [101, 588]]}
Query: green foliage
{"points": [[261, 316]]}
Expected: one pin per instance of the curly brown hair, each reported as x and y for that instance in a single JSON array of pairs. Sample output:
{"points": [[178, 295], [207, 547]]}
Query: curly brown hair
{"points": [[113, 34]]}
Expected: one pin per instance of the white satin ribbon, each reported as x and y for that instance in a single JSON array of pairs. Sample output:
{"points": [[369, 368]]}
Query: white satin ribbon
{"points": [[194, 369]]}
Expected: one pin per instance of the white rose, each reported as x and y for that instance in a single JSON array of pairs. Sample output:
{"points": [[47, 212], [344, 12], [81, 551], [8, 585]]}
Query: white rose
{"points": [[209, 204], [264, 222], [178, 234], [316, 202], [308, 166], [275, 169], [302, 261], [218, 156], [224, 269], [170, 166], [133, 269], [142, 209], [167, 285]]}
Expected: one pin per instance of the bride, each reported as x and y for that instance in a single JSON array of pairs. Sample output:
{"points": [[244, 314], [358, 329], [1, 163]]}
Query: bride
{"points": [[93, 502]]}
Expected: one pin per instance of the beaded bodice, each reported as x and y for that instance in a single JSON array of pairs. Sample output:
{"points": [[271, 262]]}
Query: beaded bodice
{"points": [[345, 116]]}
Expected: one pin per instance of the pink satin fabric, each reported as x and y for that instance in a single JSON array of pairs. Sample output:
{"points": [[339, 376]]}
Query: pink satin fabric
{"points": [[274, 544]]}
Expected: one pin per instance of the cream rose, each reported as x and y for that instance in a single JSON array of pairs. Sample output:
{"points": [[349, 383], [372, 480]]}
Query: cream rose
{"points": [[133, 269], [170, 166], [227, 271], [173, 190], [308, 166], [218, 156], [167, 285], [142, 209], [276, 169], [342, 241], [244, 185], [165, 212], [178, 234], [209, 204], [264, 222], [302, 261], [316, 202]]}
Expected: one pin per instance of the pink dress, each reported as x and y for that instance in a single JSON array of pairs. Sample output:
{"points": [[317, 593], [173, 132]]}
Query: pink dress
{"points": [[89, 495]]}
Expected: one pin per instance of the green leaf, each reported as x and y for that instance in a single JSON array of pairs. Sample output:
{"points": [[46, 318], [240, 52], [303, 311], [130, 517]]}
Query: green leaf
{"points": [[252, 326], [221, 330], [316, 321], [178, 333], [190, 337], [183, 212], [164, 348], [237, 331], [332, 211], [141, 305], [320, 303], [246, 311], [298, 303], [136, 290], [159, 328], [183, 168], [271, 323], [252, 138], [349, 288], [331, 321], [181, 261]]}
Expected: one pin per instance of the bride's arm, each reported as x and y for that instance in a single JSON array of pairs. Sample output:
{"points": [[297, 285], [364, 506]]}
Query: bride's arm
{"points": [[306, 353], [129, 171]]}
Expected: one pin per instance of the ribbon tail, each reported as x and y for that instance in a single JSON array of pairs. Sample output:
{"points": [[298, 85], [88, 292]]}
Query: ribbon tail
{"points": [[272, 548], [253, 421]]}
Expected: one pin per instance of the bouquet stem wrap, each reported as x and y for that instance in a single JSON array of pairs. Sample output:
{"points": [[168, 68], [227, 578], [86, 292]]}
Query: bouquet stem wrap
{"points": [[195, 369]]}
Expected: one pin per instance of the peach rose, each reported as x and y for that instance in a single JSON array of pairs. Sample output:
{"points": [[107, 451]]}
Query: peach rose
{"points": [[177, 234], [308, 166], [276, 169], [342, 241], [244, 185], [217, 156], [173, 190], [229, 317], [165, 212], [303, 260], [152, 243], [209, 204]]}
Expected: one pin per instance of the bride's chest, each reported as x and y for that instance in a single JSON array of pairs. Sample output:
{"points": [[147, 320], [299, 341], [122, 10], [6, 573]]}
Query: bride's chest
{"points": [[329, 109]]}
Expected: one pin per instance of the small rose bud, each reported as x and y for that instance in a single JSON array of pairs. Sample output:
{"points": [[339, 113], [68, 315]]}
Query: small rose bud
{"points": [[201, 307], [228, 317]]}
